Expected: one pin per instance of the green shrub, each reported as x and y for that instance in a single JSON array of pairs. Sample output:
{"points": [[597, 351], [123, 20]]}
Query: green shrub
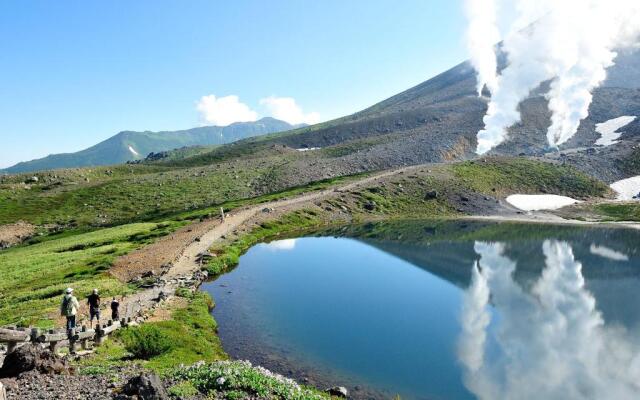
{"points": [[184, 292], [146, 341], [183, 390]]}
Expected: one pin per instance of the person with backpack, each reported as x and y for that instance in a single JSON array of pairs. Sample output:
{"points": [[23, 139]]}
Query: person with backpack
{"points": [[69, 309], [94, 307]]}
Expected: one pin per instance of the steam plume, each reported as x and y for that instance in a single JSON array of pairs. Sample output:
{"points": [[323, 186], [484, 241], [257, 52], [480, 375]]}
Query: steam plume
{"points": [[571, 43], [482, 36], [549, 341]]}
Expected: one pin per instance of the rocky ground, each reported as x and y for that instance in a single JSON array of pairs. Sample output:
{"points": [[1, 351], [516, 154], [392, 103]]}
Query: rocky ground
{"points": [[36, 386], [13, 234]]}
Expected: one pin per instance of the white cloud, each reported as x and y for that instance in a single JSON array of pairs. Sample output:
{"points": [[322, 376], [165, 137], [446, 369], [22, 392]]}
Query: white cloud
{"points": [[286, 244], [286, 109], [223, 111]]}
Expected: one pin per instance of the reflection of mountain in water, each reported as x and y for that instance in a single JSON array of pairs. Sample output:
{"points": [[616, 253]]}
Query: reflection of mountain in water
{"points": [[609, 256]]}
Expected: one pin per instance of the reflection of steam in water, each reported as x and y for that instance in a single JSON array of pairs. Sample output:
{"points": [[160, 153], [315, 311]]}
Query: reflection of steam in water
{"points": [[551, 342]]}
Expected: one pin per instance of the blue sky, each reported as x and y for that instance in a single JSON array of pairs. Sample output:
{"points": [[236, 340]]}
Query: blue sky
{"points": [[74, 73]]}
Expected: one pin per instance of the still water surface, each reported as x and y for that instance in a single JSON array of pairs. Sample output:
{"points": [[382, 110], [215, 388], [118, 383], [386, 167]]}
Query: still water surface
{"points": [[442, 310]]}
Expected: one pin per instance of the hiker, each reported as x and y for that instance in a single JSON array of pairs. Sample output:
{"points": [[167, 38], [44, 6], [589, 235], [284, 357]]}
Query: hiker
{"points": [[94, 307], [69, 309], [115, 313]]}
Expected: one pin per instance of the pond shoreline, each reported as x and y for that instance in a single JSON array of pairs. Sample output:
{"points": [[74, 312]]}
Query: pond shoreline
{"points": [[242, 343]]}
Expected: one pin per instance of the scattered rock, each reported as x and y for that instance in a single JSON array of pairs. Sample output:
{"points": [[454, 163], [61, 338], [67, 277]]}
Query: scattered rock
{"points": [[146, 387], [31, 357], [464, 198], [370, 206], [338, 391], [430, 195], [149, 274]]}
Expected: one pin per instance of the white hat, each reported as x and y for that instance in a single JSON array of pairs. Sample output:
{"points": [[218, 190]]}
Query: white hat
{"points": [[95, 291], [69, 290]]}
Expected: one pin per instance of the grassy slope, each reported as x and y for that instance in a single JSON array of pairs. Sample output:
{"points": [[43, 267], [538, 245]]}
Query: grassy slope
{"points": [[506, 176], [35, 276], [618, 212]]}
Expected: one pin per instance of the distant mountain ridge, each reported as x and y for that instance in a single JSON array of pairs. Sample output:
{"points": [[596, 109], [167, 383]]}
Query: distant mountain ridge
{"points": [[130, 145]]}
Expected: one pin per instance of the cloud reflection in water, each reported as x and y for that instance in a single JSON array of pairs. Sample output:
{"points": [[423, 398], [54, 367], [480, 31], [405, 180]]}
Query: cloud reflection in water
{"points": [[549, 342]]}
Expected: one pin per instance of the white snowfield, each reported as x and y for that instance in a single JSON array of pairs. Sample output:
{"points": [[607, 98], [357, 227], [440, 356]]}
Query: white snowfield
{"points": [[609, 130], [537, 202], [133, 151], [308, 149], [627, 189]]}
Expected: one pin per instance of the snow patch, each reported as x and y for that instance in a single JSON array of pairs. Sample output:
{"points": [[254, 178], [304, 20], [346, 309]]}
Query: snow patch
{"points": [[133, 151], [606, 252], [308, 149], [609, 130], [536, 202], [627, 189]]}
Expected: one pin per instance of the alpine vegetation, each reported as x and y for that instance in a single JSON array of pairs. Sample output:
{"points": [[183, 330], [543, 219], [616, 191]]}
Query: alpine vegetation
{"points": [[568, 44]]}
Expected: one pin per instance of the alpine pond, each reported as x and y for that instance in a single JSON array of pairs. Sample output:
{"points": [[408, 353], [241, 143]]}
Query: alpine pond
{"points": [[434, 310]]}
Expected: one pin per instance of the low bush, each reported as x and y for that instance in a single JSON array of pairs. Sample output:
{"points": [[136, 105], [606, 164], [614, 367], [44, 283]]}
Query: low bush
{"points": [[146, 341]]}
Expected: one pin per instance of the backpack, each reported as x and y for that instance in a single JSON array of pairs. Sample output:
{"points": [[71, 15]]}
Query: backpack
{"points": [[67, 305]]}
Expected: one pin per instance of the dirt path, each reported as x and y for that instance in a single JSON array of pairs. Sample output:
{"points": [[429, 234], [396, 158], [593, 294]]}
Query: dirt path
{"points": [[187, 264]]}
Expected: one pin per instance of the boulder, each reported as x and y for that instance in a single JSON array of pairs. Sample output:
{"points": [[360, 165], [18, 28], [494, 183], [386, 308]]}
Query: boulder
{"points": [[146, 387], [431, 195], [370, 206], [338, 391], [32, 357], [3, 392]]}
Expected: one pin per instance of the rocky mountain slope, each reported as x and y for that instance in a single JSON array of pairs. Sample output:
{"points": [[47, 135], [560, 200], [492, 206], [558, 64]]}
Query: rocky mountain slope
{"points": [[129, 145], [438, 120]]}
